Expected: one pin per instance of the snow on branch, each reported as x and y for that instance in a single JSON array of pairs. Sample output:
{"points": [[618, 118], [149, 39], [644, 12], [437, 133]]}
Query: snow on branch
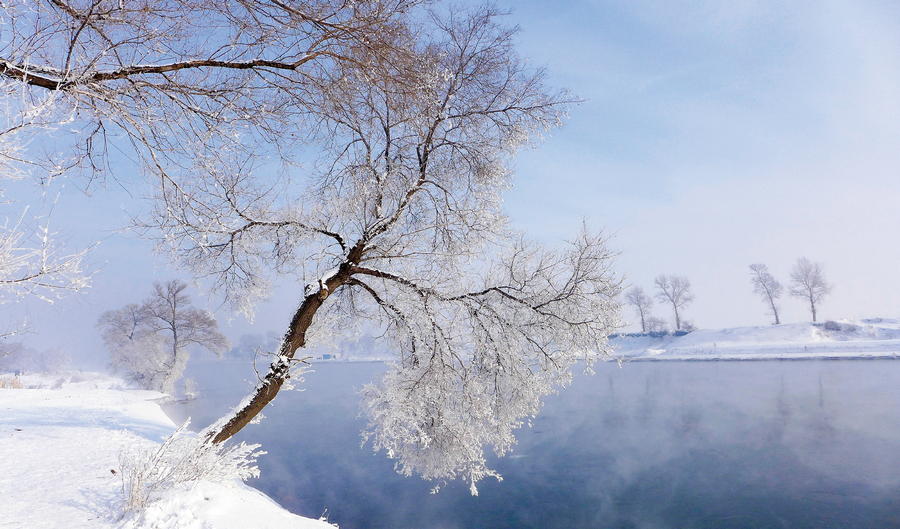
{"points": [[32, 263], [475, 365]]}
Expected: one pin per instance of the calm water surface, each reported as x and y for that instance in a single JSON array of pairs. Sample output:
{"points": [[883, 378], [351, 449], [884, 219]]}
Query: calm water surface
{"points": [[650, 445]]}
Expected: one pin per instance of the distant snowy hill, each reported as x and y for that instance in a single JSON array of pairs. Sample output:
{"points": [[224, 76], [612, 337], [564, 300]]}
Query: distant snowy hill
{"points": [[59, 461], [871, 338]]}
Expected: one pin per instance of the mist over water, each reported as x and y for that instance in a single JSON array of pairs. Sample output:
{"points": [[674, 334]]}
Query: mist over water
{"points": [[651, 444]]}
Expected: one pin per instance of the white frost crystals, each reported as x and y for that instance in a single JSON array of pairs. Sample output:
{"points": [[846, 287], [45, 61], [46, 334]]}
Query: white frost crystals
{"points": [[475, 366], [34, 262], [183, 459]]}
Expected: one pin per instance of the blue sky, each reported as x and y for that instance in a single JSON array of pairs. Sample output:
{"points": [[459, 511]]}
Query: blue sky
{"points": [[714, 135]]}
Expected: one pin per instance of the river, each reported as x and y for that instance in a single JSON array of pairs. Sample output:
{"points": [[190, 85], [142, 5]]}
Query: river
{"points": [[645, 445]]}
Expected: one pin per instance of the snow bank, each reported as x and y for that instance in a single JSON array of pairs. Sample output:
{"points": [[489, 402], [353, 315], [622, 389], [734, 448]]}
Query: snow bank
{"points": [[59, 462], [873, 338]]}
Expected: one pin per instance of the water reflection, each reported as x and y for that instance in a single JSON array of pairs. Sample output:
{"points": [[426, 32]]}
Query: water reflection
{"points": [[656, 445]]}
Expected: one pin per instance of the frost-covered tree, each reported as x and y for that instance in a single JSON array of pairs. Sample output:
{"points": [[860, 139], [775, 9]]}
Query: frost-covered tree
{"points": [[33, 261], [414, 115], [808, 283], [401, 225], [766, 287], [641, 302], [675, 290], [166, 78], [149, 341]]}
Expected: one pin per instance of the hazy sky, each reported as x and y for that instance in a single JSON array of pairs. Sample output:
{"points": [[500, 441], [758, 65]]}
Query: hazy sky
{"points": [[714, 135], [720, 134]]}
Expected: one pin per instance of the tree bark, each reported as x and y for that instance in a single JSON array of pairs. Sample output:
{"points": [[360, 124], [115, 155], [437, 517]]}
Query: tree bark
{"points": [[774, 308], [279, 371]]}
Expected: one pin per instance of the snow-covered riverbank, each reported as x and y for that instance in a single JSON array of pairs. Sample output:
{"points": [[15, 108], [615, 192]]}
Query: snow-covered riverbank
{"points": [[872, 338], [59, 461]]}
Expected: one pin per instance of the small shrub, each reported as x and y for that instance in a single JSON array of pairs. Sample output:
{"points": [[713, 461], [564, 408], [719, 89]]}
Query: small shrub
{"points": [[182, 458], [837, 326], [687, 326], [656, 325], [191, 390]]}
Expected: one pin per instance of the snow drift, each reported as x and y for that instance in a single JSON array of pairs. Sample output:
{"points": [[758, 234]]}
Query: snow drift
{"points": [[60, 462]]}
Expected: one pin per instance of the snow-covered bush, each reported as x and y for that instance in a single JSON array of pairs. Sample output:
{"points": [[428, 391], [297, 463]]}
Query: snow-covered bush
{"points": [[836, 326], [182, 459]]}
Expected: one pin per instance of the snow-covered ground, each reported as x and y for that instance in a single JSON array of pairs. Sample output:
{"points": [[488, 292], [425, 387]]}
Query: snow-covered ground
{"points": [[872, 338], [59, 462]]}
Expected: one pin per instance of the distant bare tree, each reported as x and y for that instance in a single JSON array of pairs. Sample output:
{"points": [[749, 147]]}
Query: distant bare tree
{"points": [[641, 302], [655, 324], [149, 341], [766, 286], [20, 357], [676, 290], [808, 282]]}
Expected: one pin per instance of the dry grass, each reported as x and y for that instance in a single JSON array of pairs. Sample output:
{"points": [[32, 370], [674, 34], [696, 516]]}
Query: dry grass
{"points": [[10, 383]]}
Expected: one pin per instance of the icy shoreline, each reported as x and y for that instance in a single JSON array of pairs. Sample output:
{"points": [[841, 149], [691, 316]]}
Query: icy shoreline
{"points": [[59, 461], [846, 340]]}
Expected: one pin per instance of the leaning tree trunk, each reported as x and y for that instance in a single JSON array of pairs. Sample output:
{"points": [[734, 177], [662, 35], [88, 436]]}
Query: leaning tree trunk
{"points": [[279, 371], [774, 309]]}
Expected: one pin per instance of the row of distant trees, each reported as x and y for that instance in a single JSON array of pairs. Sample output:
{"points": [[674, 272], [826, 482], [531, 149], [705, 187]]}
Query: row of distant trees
{"points": [[148, 341], [670, 289], [807, 282]]}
